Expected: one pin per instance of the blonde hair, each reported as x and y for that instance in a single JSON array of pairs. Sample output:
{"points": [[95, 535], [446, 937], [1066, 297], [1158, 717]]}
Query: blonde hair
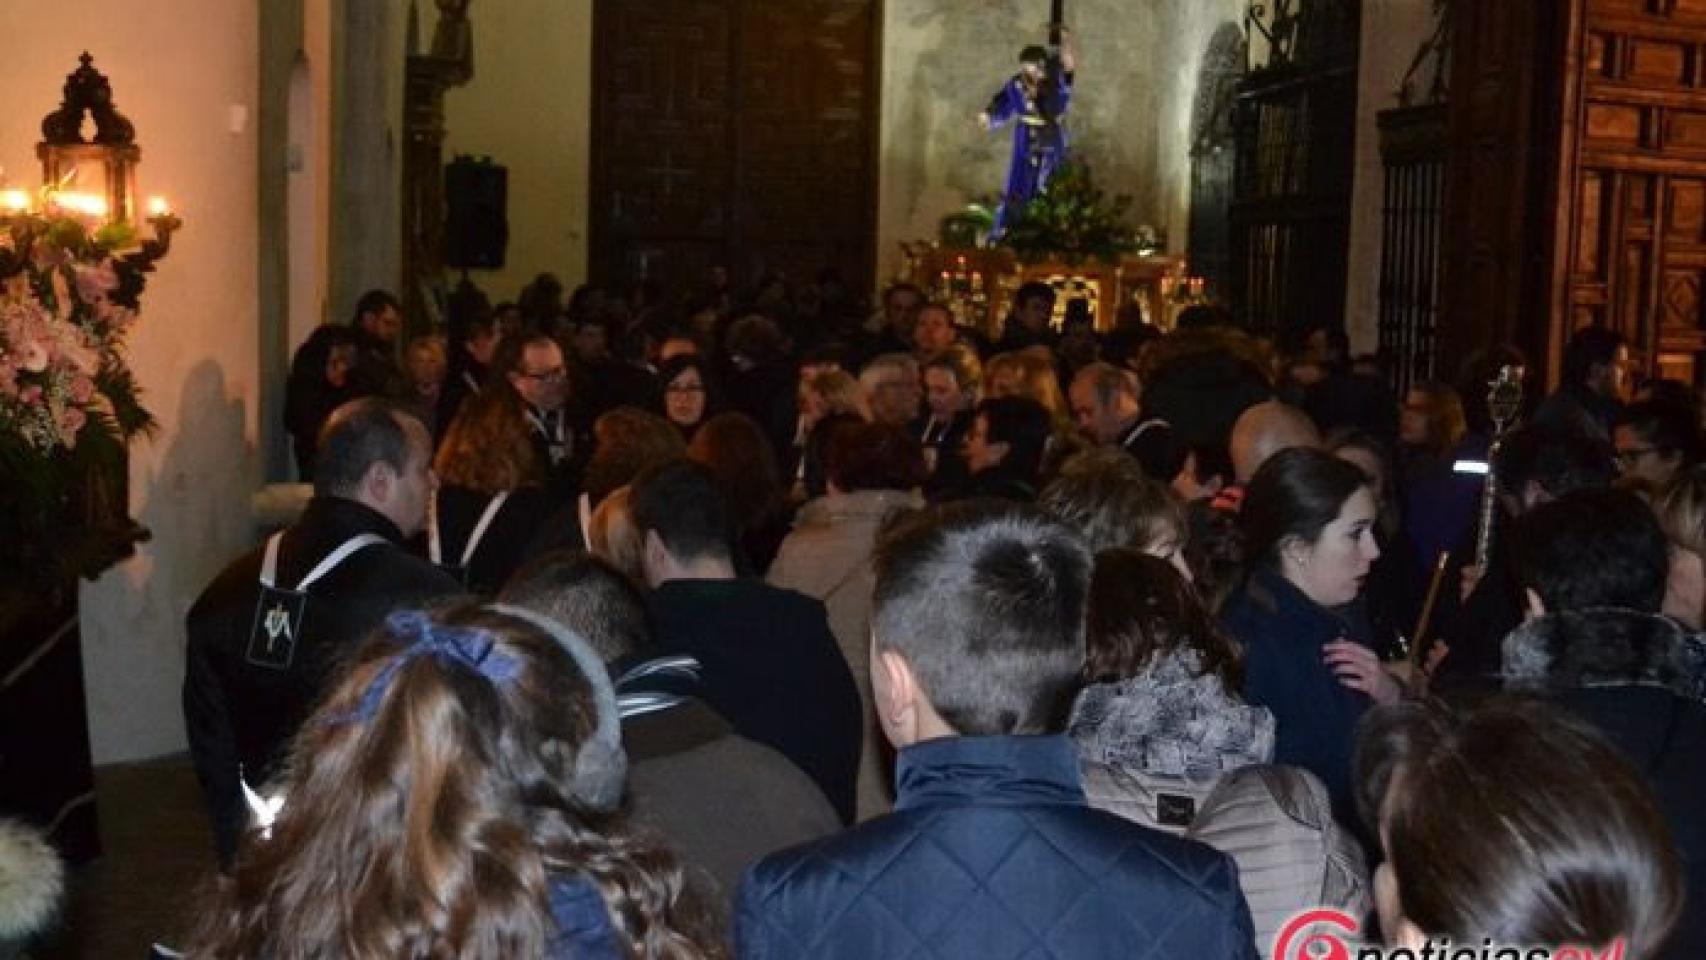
{"points": [[841, 393], [1682, 511], [961, 362], [611, 534], [1034, 378]]}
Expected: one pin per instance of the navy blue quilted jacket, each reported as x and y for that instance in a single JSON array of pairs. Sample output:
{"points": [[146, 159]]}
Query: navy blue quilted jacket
{"points": [[992, 853]]}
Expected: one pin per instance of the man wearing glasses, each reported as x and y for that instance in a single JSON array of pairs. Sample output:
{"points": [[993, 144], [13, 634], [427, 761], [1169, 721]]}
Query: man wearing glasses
{"points": [[540, 376]]}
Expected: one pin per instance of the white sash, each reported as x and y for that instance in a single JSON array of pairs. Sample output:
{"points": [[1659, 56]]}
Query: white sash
{"points": [[269, 561], [435, 549]]}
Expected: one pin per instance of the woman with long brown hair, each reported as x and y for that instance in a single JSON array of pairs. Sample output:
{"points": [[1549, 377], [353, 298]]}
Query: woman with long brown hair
{"points": [[444, 801], [491, 499], [734, 447]]}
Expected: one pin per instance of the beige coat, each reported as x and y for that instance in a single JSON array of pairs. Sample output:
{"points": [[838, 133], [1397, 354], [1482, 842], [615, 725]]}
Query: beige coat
{"points": [[828, 556]]}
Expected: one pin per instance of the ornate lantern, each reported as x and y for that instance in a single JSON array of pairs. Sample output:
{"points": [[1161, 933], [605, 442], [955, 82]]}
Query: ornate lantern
{"points": [[102, 167]]}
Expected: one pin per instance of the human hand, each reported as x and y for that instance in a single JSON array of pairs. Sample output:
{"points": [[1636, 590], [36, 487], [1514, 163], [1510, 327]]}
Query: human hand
{"points": [[1357, 668], [983, 121], [1470, 579]]}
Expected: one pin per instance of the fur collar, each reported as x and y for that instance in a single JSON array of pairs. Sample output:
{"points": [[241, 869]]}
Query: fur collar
{"points": [[32, 880], [1603, 646]]}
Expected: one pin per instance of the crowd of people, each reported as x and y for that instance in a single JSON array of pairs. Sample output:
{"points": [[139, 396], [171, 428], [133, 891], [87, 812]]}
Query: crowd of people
{"points": [[751, 624]]}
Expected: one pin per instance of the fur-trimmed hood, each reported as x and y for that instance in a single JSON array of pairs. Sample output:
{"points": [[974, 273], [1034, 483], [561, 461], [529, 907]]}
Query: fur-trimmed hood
{"points": [[32, 880], [1601, 647]]}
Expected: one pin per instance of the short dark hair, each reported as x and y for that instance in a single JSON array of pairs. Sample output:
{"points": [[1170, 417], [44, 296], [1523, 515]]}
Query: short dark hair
{"points": [[1554, 459], [1593, 548], [1025, 426], [1590, 347], [1205, 316], [358, 435], [374, 301], [1296, 493], [1489, 831], [1034, 54], [586, 594], [873, 456], [1671, 427], [681, 502], [1032, 290], [985, 601]]}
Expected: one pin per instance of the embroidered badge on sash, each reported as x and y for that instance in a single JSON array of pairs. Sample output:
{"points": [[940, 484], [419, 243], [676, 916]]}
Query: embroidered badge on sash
{"points": [[277, 628]]}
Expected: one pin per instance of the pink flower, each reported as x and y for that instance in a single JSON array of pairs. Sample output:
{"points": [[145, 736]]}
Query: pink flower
{"points": [[82, 389], [30, 395], [70, 424], [35, 356], [95, 281]]}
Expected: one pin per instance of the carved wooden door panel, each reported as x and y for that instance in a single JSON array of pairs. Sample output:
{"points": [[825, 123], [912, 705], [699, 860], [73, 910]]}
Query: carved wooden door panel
{"points": [[662, 130], [1636, 255], [738, 133]]}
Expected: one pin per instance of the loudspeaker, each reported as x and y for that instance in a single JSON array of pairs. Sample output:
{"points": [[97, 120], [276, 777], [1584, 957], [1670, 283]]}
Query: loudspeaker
{"points": [[476, 229]]}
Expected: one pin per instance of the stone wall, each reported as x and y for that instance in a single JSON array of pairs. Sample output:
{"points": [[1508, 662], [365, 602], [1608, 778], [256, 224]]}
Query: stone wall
{"points": [[943, 59], [1392, 31], [530, 108]]}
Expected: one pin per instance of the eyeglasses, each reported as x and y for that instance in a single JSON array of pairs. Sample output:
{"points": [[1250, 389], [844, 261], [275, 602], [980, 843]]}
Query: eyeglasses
{"points": [[549, 376]]}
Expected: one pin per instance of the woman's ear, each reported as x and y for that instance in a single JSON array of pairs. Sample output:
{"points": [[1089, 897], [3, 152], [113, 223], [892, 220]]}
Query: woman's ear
{"points": [[1295, 553]]}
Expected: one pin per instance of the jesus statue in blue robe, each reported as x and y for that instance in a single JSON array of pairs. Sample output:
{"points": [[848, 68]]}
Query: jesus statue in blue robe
{"points": [[1034, 101]]}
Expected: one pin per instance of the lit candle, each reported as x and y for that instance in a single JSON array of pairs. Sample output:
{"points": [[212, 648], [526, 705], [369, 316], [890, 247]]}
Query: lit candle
{"points": [[86, 204], [14, 201], [158, 207]]}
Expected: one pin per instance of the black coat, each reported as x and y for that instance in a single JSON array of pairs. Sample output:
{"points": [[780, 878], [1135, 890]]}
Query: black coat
{"points": [[950, 471], [1636, 677], [242, 715], [772, 668], [507, 542]]}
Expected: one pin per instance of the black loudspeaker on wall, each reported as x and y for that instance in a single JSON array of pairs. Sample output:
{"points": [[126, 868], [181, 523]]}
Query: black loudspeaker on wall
{"points": [[476, 229]]}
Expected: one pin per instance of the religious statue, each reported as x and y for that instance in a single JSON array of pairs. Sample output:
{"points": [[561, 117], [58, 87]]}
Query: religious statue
{"points": [[453, 39], [1035, 101]]}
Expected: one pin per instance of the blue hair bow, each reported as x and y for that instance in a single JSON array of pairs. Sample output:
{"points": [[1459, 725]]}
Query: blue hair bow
{"points": [[468, 647]]}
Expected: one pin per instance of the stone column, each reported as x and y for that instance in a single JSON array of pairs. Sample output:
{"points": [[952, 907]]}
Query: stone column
{"points": [[366, 247]]}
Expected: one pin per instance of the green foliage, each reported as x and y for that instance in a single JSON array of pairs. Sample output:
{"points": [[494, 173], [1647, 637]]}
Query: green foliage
{"points": [[1073, 221]]}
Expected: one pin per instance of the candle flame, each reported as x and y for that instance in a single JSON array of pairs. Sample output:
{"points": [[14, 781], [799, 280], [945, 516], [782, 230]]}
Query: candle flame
{"points": [[87, 204], [15, 201], [158, 207]]}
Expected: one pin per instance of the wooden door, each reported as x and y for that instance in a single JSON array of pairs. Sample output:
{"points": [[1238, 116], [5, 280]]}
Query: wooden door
{"points": [[1502, 178], [1636, 152], [734, 133]]}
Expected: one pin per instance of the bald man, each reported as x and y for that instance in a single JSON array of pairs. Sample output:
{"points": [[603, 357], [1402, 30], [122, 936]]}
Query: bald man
{"points": [[1264, 430]]}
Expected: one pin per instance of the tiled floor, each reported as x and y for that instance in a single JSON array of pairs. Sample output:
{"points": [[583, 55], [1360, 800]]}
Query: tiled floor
{"points": [[158, 853]]}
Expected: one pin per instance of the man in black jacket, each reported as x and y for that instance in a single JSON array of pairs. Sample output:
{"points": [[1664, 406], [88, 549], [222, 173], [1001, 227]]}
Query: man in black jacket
{"points": [[769, 662], [265, 634]]}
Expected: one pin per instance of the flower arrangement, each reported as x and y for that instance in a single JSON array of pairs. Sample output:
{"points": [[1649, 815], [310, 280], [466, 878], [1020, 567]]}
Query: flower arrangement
{"points": [[70, 285], [1073, 221]]}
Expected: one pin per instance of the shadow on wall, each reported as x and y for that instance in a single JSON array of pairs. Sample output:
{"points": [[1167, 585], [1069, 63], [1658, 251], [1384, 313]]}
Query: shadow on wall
{"points": [[196, 502]]}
